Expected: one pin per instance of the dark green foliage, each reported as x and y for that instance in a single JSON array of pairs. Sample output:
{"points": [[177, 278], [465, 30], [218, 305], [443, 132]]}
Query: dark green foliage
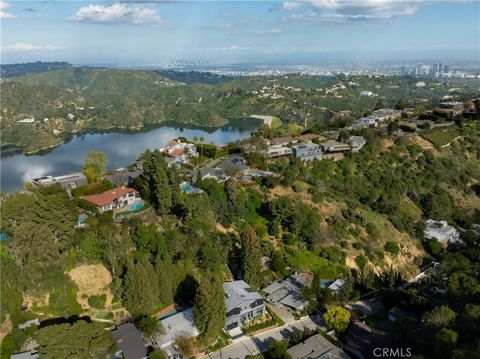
{"points": [[97, 301], [392, 248], [40, 248], [277, 349], [251, 257], [77, 340], [158, 184], [10, 287], [209, 309], [141, 289], [49, 206], [149, 326]]}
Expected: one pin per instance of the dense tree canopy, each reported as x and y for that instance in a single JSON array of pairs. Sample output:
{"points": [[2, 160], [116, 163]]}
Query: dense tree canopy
{"points": [[77, 340]]}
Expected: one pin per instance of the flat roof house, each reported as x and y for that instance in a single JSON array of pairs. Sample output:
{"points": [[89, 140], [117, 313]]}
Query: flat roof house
{"points": [[178, 325], [316, 347], [114, 199], [68, 182], [278, 151], [441, 231], [335, 146], [243, 304], [129, 342], [25, 355], [307, 151], [288, 292], [357, 143], [365, 122]]}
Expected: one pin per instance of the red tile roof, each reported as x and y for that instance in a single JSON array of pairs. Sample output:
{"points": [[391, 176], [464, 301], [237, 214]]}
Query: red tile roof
{"points": [[107, 197], [176, 152]]}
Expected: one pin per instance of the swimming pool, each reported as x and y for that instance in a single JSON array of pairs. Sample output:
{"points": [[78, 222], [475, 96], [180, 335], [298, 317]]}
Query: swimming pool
{"points": [[324, 283], [133, 207]]}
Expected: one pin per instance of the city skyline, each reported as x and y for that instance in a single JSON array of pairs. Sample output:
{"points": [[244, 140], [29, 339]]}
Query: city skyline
{"points": [[148, 32]]}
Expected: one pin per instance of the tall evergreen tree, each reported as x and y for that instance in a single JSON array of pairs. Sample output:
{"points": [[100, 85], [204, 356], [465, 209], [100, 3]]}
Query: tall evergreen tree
{"points": [[158, 183], [141, 289], [209, 309], [251, 256], [77, 340]]}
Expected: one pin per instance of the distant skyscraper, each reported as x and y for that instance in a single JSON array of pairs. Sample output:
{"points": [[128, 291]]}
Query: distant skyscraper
{"points": [[446, 68], [435, 67], [440, 67]]}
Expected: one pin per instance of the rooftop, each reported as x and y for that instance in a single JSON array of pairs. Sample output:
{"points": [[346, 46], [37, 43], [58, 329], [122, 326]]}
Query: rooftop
{"points": [[316, 347], [107, 197], [237, 292], [177, 325], [52, 179], [129, 341]]}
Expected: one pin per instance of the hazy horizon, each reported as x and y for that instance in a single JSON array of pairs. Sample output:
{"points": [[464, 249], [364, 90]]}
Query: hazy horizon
{"points": [[311, 32]]}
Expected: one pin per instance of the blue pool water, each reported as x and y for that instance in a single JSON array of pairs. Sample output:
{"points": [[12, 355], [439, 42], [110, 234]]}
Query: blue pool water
{"points": [[4, 236], [133, 206], [324, 283], [82, 218], [186, 187]]}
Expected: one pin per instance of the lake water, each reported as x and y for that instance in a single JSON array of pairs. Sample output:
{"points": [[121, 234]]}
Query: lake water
{"points": [[121, 150]]}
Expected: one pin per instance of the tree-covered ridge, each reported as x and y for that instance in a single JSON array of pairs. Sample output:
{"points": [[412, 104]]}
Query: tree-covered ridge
{"points": [[80, 99], [360, 218]]}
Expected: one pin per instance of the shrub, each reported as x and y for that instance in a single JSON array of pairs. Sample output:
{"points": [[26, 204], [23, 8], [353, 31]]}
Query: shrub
{"points": [[97, 301], [392, 248]]}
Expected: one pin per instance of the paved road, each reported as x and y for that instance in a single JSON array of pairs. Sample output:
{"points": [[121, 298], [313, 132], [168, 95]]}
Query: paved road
{"points": [[255, 345]]}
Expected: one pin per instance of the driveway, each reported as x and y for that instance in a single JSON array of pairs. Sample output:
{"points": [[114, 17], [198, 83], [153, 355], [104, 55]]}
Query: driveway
{"points": [[259, 343]]}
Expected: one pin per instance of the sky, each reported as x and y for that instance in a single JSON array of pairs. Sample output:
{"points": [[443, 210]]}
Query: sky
{"points": [[282, 32]]}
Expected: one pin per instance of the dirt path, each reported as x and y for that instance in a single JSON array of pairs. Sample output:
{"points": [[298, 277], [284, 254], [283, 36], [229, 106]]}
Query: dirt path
{"points": [[5, 328]]}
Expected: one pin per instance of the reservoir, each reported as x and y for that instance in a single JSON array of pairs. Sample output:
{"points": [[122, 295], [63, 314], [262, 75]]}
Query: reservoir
{"points": [[121, 150]]}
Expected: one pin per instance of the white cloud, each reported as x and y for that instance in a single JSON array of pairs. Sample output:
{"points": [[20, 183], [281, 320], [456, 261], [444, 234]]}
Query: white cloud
{"points": [[291, 5], [229, 48], [25, 47], [270, 31], [353, 10], [117, 13], [3, 13]]}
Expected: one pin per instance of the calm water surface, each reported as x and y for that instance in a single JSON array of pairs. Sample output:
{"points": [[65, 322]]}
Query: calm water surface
{"points": [[121, 149]]}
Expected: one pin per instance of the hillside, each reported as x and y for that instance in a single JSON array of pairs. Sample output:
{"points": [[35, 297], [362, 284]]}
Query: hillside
{"points": [[80, 99]]}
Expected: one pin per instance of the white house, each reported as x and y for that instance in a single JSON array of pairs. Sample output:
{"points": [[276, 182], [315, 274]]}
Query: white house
{"points": [[441, 231], [114, 199]]}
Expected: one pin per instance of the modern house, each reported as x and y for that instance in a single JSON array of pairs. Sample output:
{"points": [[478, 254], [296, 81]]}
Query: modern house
{"points": [[365, 122], [441, 231], [316, 347], [308, 137], [357, 143], [179, 152], [243, 304], [377, 117], [129, 342], [335, 146], [288, 292], [177, 325], [307, 151], [282, 141], [68, 182], [123, 176], [336, 285], [25, 355], [386, 114], [114, 199], [276, 151], [452, 105]]}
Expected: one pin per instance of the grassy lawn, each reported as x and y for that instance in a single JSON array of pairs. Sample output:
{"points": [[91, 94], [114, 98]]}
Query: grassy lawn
{"points": [[309, 261], [276, 123], [441, 136]]}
